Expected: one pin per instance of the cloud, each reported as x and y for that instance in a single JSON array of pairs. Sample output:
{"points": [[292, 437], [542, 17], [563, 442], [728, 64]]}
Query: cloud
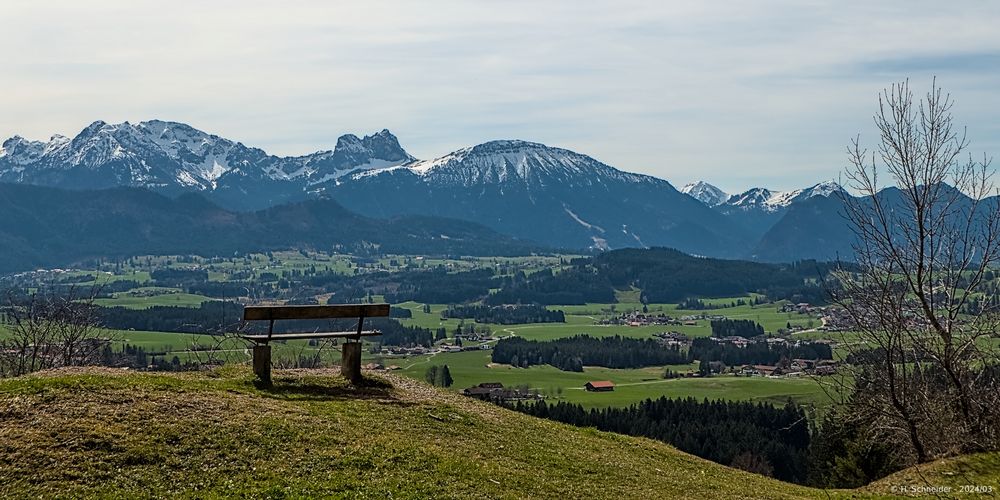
{"points": [[747, 93], [975, 65]]}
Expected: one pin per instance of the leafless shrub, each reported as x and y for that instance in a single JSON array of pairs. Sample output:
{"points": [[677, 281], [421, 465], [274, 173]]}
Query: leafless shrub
{"points": [[922, 374], [51, 329]]}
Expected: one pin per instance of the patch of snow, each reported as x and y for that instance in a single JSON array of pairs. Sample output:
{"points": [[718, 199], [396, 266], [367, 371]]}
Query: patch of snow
{"points": [[425, 166], [780, 199], [828, 188], [379, 171], [581, 221], [599, 243], [374, 164], [187, 179], [705, 193]]}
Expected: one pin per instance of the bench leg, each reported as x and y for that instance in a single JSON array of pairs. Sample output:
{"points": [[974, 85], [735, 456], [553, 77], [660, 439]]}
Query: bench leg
{"points": [[350, 364], [262, 363]]}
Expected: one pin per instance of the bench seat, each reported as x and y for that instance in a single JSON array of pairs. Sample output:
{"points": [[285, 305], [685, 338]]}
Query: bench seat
{"points": [[263, 337], [350, 365]]}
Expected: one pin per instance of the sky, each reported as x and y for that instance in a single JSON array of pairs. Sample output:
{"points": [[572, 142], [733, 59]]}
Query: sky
{"points": [[741, 94]]}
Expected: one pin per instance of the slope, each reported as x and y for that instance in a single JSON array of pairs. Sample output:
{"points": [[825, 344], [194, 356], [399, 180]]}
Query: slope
{"points": [[101, 432], [814, 228], [979, 474]]}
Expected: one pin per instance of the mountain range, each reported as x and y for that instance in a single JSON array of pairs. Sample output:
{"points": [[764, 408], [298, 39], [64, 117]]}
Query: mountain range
{"points": [[529, 191], [174, 158], [50, 227]]}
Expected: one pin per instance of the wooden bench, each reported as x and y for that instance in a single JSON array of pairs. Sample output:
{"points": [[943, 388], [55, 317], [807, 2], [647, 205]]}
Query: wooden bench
{"points": [[350, 350]]}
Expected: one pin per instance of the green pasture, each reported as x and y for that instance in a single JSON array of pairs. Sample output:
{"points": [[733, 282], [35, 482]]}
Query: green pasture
{"points": [[134, 299], [103, 277], [633, 385], [767, 315], [582, 319], [574, 325]]}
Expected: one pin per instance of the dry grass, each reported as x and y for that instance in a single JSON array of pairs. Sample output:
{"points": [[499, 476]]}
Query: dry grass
{"points": [[968, 476]]}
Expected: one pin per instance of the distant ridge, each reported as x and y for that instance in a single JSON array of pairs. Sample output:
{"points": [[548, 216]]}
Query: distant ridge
{"points": [[530, 191], [47, 227]]}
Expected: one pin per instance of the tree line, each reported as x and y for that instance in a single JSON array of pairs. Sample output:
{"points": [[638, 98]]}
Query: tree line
{"points": [[665, 276], [694, 304], [736, 328], [572, 353], [757, 353], [505, 314]]}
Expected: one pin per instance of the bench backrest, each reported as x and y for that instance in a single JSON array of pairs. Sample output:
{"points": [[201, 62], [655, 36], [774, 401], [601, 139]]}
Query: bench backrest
{"points": [[257, 313]]}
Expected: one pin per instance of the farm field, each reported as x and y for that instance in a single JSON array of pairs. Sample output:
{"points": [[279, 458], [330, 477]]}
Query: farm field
{"points": [[473, 367], [582, 319], [102, 278], [632, 385], [144, 298]]}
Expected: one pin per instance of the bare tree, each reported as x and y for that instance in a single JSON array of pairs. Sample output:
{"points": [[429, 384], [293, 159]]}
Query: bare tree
{"points": [[52, 329], [924, 251]]}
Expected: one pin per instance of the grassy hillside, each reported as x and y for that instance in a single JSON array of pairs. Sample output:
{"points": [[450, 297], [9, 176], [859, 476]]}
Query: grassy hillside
{"points": [[967, 476], [101, 432]]}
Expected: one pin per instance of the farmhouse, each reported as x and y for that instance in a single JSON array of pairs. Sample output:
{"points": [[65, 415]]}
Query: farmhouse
{"points": [[826, 367], [484, 391], [478, 393], [495, 391], [599, 386], [637, 319], [803, 364], [767, 370], [671, 339]]}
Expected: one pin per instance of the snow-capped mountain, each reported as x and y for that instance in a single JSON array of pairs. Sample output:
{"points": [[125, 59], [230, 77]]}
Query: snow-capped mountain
{"points": [[774, 201], [825, 189], [531, 191], [757, 210], [174, 157], [515, 163], [760, 199], [705, 193], [545, 194]]}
